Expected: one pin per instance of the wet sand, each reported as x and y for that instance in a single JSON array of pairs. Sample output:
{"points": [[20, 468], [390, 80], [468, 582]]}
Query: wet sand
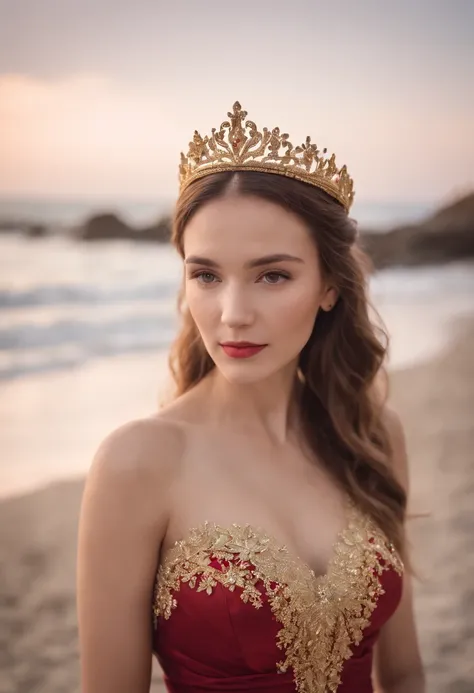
{"points": [[38, 633]]}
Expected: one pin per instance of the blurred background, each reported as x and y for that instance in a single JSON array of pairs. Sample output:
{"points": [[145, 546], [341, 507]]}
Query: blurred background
{"points": [[97, 100]]}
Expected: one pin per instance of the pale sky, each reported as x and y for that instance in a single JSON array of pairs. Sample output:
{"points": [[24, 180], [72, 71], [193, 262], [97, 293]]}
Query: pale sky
{"points": [[98, 97]]}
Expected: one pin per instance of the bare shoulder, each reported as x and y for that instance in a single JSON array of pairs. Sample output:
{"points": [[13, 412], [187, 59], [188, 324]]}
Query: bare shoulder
{"points": [[142, 445], [394, 426], [124, 516], [140, 457]]}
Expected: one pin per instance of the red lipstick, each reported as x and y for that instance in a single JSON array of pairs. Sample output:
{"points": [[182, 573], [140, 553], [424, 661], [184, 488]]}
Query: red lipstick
{"points": [[241, 350]]}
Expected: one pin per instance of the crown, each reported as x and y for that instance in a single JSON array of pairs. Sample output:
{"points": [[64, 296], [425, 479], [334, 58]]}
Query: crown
{"points": [[239, 146]]}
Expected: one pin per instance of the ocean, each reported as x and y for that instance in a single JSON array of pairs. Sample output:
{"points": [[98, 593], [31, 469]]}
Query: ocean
{"points": [[63, 302], [66, 212], [85, 330]]}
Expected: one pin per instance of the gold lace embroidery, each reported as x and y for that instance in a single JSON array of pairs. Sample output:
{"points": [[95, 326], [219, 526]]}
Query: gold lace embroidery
{"points": [[321, 617]]}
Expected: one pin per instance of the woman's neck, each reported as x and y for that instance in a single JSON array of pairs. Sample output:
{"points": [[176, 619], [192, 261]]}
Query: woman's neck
{"points": [[268, 407]]}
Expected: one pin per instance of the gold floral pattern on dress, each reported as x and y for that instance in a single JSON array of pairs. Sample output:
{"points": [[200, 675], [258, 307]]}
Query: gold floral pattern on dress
{"points": [[321, 618]]}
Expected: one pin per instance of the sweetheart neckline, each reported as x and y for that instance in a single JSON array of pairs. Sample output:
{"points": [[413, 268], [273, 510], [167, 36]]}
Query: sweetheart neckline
{"points": [[351, 515], [321, 617]]}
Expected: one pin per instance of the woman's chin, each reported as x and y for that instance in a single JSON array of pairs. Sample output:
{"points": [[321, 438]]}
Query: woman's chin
{"points": [[245, 371]]}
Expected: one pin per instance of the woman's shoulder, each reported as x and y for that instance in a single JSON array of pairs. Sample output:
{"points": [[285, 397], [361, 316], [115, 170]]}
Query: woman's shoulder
{"points": [[142, 453], [392, 422]]}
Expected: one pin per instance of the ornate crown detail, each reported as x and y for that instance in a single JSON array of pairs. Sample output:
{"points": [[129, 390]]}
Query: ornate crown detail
{"points": [[241, 147]]}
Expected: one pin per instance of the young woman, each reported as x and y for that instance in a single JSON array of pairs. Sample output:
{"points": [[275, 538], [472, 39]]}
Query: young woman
{"points": [[251, 533]]}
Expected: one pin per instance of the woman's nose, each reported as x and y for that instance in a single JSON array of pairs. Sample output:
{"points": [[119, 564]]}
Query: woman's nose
{"points": [[236, 307]]}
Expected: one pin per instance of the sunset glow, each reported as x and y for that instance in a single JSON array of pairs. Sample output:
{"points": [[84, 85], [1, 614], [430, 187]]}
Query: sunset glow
{"points": [[87, 122]]}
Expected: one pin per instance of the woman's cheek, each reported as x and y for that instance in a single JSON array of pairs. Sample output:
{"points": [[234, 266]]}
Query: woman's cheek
{"points": [[202, 307], [299, 306]]}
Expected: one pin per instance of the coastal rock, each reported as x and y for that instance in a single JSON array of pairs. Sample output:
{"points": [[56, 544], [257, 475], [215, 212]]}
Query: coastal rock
{"points": [[33, 230], [11, 226], [110, 227], [159, 232], [105, 227], [445, 236], [36, 230]]}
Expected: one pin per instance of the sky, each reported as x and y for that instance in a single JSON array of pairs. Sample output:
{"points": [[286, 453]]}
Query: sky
{"points": [[99, 97]]}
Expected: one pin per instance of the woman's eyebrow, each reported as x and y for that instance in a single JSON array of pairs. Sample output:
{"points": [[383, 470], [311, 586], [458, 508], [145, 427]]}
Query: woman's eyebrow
{"points": [[258, 262], [271, 259], [196, 260]]}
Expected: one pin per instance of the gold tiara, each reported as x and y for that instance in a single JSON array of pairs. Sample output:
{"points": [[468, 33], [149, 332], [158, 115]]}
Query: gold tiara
{"points": [[239, 146]]}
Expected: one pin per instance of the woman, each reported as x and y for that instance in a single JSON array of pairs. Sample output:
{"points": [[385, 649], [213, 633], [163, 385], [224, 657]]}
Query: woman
{"points": [[251, 533]]}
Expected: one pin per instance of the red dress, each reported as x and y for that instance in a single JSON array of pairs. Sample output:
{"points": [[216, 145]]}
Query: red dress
{"points": [[234, 611]]}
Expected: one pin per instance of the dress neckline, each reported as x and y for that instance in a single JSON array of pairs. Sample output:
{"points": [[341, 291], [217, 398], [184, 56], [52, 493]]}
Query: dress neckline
{"points": [[322, 616], [245, 540]]}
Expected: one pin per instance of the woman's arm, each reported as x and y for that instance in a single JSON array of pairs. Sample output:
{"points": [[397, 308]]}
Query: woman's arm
{"points": [[398, 666], [123, 520]]}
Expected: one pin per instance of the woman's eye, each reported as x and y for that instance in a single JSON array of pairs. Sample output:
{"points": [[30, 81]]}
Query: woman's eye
{"points": [[274, 277], [205, 277]]}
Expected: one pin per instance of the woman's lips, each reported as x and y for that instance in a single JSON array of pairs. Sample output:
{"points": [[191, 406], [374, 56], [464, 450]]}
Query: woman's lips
{"points": [[242, 352]]}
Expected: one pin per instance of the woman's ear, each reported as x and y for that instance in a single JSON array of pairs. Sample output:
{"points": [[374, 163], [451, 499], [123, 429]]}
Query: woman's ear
{"points": [[329, 299]]}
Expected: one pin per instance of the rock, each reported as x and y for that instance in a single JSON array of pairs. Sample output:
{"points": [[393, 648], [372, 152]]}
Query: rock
{"points": [[105, 227], [110, 227], [445, 236], [11, 226], [23, 227], [159, 232], [36, 231]]}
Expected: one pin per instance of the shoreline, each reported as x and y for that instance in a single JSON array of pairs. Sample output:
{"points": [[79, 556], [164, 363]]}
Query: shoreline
{"points": [[435, 401], [29, 405]]}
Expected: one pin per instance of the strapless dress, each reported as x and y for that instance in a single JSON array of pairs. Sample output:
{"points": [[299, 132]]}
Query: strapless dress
{"points": [[235, 611]]}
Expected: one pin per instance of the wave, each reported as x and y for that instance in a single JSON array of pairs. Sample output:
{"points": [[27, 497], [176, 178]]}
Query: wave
{"points": [[52, 361], [89, 334], [27, 349], [83, 294]]}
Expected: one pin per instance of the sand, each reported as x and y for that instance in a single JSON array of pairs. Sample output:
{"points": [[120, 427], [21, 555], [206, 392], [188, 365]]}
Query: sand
{"points": [[38, 634]]}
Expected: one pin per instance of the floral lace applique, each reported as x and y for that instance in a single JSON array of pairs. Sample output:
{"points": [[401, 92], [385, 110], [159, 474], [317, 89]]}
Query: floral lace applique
{"points": [[321, 617]]}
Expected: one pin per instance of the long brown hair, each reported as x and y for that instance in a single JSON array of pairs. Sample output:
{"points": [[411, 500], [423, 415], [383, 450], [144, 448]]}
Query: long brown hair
{"points": [[340, 415]]}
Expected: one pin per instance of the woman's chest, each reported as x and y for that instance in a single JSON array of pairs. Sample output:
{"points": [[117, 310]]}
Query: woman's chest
{"points": [[296, 504]]}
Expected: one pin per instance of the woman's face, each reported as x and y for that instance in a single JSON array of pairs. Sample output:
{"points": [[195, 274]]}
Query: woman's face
{"points": [[252, 275]]}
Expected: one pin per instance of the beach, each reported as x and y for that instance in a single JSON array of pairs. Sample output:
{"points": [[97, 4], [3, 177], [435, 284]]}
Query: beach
{"points": [[435, 399]]}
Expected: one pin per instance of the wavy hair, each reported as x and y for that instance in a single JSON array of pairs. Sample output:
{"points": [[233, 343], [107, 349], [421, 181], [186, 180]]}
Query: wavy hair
{"points": [[340, 411]]}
